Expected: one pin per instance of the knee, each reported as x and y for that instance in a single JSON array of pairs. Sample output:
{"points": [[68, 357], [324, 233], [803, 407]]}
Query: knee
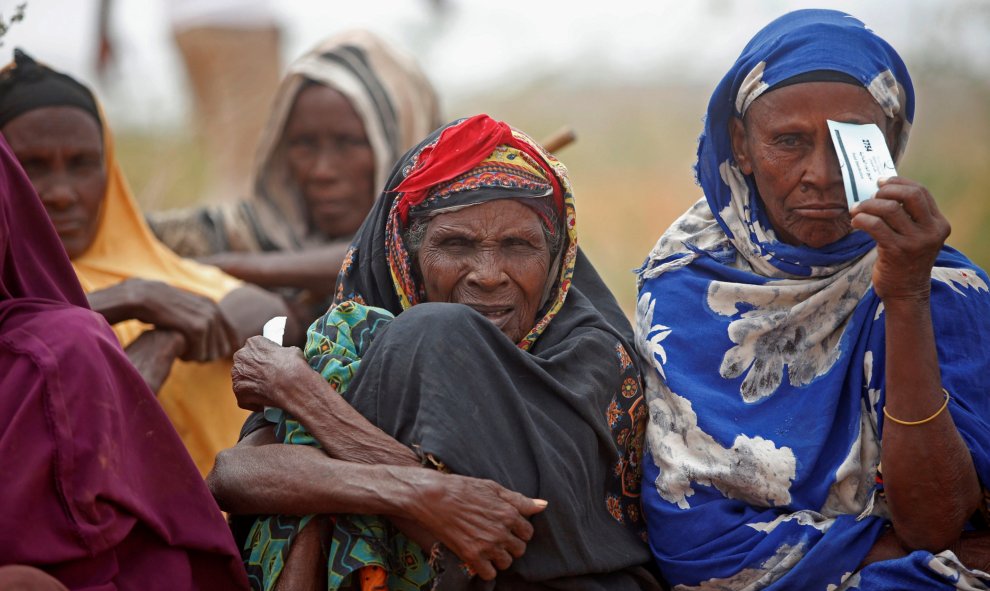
{"points": [[437, 329], [441, 320]]}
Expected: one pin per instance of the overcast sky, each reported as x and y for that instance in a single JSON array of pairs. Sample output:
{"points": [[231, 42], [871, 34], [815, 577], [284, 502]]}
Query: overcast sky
{"points": [[476, 46]]}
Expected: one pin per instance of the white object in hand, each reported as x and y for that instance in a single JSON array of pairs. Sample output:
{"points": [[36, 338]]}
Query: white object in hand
{"points": [[274, 330], [863, 158]]}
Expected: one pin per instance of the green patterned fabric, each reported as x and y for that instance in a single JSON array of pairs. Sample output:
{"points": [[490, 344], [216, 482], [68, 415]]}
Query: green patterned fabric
{"points": [[334, 346]]}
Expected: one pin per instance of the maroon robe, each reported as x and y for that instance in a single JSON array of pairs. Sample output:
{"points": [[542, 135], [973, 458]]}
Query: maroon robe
{"points": [[96, 488]]}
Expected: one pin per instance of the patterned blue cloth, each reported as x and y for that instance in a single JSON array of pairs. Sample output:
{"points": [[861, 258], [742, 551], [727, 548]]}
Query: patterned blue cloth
{"points": [[764, 441]]}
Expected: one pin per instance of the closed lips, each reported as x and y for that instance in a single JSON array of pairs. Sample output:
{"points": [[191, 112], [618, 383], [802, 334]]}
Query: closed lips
{"points": [[63, 225], [821, 211]]}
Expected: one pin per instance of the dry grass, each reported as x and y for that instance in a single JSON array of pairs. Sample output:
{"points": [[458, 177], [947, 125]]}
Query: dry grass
{"points": [[631, 166]]}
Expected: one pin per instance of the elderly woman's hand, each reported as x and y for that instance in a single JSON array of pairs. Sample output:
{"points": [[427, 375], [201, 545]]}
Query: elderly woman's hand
{"points": [[483, 523], [264, 372], [196, 317], [910, 231]]}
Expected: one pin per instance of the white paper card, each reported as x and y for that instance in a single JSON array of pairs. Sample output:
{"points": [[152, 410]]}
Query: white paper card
{"points": [[863, 158], [274, 329]]}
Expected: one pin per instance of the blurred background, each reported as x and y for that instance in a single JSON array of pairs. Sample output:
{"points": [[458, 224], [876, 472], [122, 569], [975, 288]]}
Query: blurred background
{"points": [[632, 79]]}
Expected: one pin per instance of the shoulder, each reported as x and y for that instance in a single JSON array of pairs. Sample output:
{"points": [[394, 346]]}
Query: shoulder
{"points": [[582, 333]]}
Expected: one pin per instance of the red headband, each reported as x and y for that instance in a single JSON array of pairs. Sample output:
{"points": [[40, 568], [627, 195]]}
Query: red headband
{"points": [[460, 148]]}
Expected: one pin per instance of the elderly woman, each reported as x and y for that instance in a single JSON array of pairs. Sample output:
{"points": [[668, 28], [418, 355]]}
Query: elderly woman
{"points": [[97, 491], [833, 431], [342, 116], [179, 321], [483, 359]]}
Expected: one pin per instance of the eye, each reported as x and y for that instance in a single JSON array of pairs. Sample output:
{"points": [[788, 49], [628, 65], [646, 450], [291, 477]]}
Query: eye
{"points": [[517, 242], [350, 145], [84, 163], [788, 140], [34, 166], [455, 242], [352, 141], [303, 142]]}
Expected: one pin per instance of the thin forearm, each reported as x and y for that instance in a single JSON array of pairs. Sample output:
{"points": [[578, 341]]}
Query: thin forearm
{"points": [[914, 392], [247, 308], [115, 303], [342, 431], [302, 480], [312, 269], [153, 354], [973, 550]]}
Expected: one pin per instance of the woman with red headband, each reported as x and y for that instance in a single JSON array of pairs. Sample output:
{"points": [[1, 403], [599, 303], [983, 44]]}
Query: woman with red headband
{"points": [[478, 414]]}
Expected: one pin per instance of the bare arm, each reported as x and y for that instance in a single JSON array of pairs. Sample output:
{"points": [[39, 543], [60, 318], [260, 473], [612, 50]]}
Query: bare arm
{"points": [[153, 354], [198, 318], [265, 374], [247, 308], [254, 477], [972, 548], [481, 522], [313, 269], [910, 231]]}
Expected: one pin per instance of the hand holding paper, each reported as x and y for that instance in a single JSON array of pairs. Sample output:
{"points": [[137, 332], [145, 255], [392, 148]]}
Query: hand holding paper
{"points": [[901, 215]]}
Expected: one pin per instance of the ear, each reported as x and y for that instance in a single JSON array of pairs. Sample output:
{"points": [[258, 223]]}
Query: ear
{"points": [[737, 135]]}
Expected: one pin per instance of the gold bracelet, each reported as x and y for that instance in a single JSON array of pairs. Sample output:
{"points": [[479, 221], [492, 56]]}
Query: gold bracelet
{"points": [[945, 403]]}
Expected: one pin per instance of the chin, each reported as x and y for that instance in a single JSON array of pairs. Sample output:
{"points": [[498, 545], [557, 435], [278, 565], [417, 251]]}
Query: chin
{"points": [[822, 242], [824, 236], [336, 230]]}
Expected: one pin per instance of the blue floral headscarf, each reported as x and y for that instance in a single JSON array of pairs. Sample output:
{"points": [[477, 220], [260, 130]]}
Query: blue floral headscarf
{"points": [[761, 470], [798, 43]]}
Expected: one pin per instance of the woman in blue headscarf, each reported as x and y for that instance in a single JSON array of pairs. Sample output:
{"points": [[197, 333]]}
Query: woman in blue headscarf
{"points": [[834, 431]]}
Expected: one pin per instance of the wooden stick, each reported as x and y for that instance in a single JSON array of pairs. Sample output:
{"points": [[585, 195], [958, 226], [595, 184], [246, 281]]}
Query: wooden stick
{"points": [[559, 139]]}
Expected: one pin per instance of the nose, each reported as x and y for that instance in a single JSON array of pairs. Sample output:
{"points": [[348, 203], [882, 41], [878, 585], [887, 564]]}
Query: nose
{"points": [[487, 273], [823, 171], [326, 165], [59, 194]]}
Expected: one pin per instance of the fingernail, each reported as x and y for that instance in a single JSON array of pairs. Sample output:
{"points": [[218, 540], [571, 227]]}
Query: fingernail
{"points": [[882, 181], [540, 502]]}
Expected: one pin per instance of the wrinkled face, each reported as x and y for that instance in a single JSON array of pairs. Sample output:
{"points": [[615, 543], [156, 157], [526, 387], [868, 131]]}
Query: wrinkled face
{"points": [[493, 257], [330, 160], [784, 142], [61, 149]]}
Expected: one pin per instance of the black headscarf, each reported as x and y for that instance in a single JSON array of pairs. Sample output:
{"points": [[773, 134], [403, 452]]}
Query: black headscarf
{"points": [[560, 418], [28, 85]]}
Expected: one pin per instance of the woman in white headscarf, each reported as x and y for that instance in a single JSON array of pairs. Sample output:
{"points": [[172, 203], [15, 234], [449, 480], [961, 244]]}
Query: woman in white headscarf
{"points": [[342, 116]]}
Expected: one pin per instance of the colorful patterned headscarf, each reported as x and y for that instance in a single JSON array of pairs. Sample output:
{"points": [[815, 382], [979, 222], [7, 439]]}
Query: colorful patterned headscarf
{"points": [[467, 162], [763, 444]]}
